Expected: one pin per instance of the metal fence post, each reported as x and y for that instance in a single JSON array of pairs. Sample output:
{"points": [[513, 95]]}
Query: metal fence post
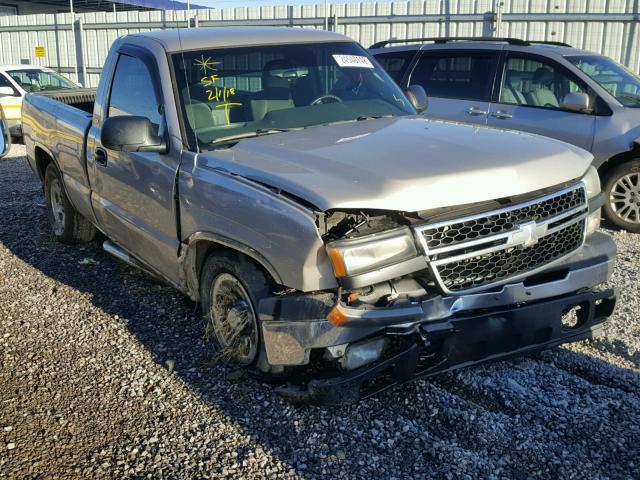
{"points": [[498, 27], [81, 67]]}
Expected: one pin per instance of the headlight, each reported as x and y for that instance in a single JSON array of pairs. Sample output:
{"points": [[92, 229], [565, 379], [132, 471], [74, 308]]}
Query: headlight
{"points": [[360, 255], [591, 181]]}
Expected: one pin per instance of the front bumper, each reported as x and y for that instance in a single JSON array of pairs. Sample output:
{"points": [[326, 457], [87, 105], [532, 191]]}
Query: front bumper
{"points": [[442, 332], [462, 341], [293, 326]]}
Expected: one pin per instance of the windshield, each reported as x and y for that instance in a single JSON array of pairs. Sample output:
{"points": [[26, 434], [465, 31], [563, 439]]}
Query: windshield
{"points": [[240, 91], [613, 77], [40, 80]]}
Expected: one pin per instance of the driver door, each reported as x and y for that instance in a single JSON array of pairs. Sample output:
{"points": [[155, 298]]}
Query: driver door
{"points": [[133, 192]]}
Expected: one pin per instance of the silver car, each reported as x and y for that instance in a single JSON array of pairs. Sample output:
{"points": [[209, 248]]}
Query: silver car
{"points": [[548, 88]]}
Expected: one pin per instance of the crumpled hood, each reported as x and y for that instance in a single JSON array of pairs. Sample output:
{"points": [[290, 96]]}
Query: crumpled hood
{"points": [[402, 163]]}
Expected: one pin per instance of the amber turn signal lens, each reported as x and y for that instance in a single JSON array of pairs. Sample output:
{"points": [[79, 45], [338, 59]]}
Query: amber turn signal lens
{"points": [[337, 261], [336, 316]]}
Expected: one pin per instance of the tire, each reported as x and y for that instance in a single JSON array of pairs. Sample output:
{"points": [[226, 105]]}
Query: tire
{"points": [[67, 225], [233, 276], [621, 187]]}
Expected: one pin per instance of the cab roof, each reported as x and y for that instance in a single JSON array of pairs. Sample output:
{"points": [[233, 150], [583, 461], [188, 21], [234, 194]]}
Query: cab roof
{"points": [[185, 39]]}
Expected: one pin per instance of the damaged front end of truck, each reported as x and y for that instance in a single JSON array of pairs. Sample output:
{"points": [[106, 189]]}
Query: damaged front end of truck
{"points": [[425, 292]]}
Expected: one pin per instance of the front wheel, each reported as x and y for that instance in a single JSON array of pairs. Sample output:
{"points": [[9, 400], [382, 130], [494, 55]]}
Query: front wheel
{"points": [[230, 289], [622, 189], [67, 224]]}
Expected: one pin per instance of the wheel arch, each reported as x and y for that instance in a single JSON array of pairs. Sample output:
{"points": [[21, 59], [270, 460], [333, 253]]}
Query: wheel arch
{"points": [[619, 159], [42, 158], [198, 247]]}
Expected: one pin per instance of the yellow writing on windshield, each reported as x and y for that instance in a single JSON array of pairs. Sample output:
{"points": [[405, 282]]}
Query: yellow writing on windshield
{"points": [[227, 106], [219, 94], [209, 80], [206, 64]]}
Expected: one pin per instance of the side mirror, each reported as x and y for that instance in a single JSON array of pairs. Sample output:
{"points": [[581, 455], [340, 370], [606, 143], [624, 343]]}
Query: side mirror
{"points": [[131, 134], [5, 136], [7, 92], [577, 102], [418, 97]]}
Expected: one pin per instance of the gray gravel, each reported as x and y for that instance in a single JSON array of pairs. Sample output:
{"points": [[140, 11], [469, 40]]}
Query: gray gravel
{"points": [[103, 373]]}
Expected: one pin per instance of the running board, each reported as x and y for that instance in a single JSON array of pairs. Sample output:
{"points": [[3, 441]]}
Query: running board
{"points": [[120, 254]]}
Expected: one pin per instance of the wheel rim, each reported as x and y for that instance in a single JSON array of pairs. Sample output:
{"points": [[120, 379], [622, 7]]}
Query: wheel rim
{"points": [[232, 320], [625, 198], [57, 207]]}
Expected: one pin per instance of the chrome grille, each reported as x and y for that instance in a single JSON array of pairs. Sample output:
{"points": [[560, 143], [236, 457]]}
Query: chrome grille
{"points": [[503, 221], [490, 267], [494, 247]]}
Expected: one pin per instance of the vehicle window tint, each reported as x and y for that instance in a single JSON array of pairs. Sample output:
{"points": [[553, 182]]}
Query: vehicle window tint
{"points": [[459, 75], [132, 91], [35, 80], [536, 83], [395, 63], [613, 77], [231, 91]]}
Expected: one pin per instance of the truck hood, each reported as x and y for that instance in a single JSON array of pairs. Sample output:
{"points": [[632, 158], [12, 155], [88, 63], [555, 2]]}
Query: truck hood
{"points": [[402, 163]]}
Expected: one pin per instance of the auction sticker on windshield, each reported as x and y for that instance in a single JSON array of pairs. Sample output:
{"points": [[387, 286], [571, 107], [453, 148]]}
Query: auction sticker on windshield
{"points": [[353, 61]]}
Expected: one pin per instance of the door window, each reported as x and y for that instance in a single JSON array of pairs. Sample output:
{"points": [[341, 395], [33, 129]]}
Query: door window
{"points": [[4, 82], [535, 83], [132, 91], [463, 75], [395, 63]]}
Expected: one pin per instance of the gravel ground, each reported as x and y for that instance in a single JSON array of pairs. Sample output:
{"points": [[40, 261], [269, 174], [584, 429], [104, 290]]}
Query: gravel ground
{"points": [[103, 373]]}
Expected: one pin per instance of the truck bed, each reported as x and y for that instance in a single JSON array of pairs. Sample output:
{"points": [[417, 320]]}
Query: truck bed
{"points": [[80, 98], [56, 124]]}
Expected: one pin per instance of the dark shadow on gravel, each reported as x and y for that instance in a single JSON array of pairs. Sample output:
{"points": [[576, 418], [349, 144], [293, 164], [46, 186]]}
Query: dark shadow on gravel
{"points": [[425, 433]]}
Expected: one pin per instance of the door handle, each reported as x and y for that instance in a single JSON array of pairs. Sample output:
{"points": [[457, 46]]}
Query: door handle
{"points": [[502, 114], [476, 111], [101, 157]]}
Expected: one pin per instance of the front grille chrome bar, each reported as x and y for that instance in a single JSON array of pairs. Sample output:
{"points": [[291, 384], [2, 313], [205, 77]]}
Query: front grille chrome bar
{"points": [[473, 241]]}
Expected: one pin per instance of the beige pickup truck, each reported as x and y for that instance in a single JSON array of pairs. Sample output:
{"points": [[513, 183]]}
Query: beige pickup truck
{"points": [[336, 239]]}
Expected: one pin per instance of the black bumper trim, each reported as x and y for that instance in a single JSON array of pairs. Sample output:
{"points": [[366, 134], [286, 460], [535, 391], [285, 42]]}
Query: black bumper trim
{"points": [[459, 342]]}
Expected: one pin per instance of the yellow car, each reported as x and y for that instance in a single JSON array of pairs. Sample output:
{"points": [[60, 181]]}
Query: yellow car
{"points": [[18, 80]]}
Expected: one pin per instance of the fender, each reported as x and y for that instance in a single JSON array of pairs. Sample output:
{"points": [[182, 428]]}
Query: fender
{"points": [[35, 167], [189, 259]]}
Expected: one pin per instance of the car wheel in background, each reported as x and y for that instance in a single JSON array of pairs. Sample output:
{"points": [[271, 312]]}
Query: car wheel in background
{"points": [[622, 190]]}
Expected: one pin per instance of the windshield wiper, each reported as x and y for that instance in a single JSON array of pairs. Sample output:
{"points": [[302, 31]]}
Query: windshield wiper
{"points": [[634, 99], [255, 133], [370, 117]]}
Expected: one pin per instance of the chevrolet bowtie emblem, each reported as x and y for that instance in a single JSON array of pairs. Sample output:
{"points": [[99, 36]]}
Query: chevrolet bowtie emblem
{"points": [[528, 234]]}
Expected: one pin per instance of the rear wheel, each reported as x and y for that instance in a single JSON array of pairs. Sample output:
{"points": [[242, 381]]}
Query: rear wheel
{"points": [[231, 287], [622, 189], [67, 225]]}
